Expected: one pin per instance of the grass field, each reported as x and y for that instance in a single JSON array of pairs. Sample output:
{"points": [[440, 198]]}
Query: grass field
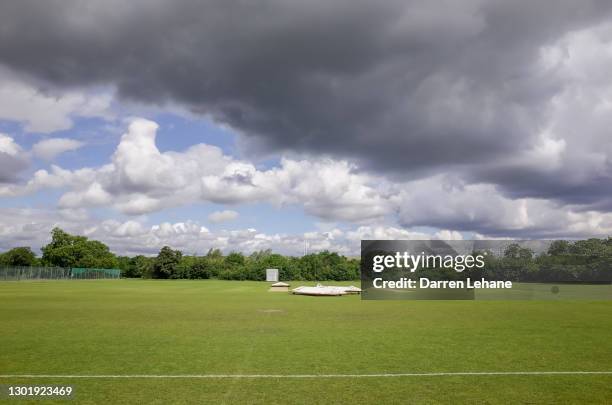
{"points": [[128, 327]]}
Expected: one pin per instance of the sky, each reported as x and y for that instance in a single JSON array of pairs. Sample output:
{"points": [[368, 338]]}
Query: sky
{"points": [[303, 126]]}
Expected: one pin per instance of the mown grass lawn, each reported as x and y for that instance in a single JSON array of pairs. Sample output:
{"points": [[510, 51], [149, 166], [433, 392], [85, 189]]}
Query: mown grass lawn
{"points": [[126, 327]]}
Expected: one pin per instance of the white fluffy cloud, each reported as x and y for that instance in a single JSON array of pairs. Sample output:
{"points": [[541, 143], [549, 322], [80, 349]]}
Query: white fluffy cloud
{"points": [[448, 202], [46, 112], [12, 160], [48, 149], [141, 179], [222, 216], [30, 227], [8, 146]]}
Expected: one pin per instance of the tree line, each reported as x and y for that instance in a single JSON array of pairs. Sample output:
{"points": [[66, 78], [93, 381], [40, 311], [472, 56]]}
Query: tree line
{"points": [[66, 250], [587, 260], [581, 261]]}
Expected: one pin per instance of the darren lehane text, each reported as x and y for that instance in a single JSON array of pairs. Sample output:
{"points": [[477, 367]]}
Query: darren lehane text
{"points": [[427, 283]]}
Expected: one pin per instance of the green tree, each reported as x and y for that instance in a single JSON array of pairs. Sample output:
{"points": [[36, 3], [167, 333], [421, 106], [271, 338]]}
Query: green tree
{"points": [[234, 267], [558, 248], [201, 268], [19, 256], [166, 263], [67, 250], [133, 267], [515, 251], [234, 259], [144, 266]]}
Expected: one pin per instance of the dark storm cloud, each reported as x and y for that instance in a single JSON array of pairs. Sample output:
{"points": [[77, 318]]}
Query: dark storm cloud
{"points": [[592, 193], [406, 87]]}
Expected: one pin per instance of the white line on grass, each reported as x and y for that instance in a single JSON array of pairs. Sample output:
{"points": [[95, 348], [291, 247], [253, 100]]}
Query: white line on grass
{"points": [[433, 374]]}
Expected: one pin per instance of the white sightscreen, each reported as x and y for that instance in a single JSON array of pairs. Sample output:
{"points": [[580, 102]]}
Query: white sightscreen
{"points": [[272, 275]]}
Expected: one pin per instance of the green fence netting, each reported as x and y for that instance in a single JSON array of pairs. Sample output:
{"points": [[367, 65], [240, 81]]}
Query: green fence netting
{"points": [[56, 273], [94, 273]]}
